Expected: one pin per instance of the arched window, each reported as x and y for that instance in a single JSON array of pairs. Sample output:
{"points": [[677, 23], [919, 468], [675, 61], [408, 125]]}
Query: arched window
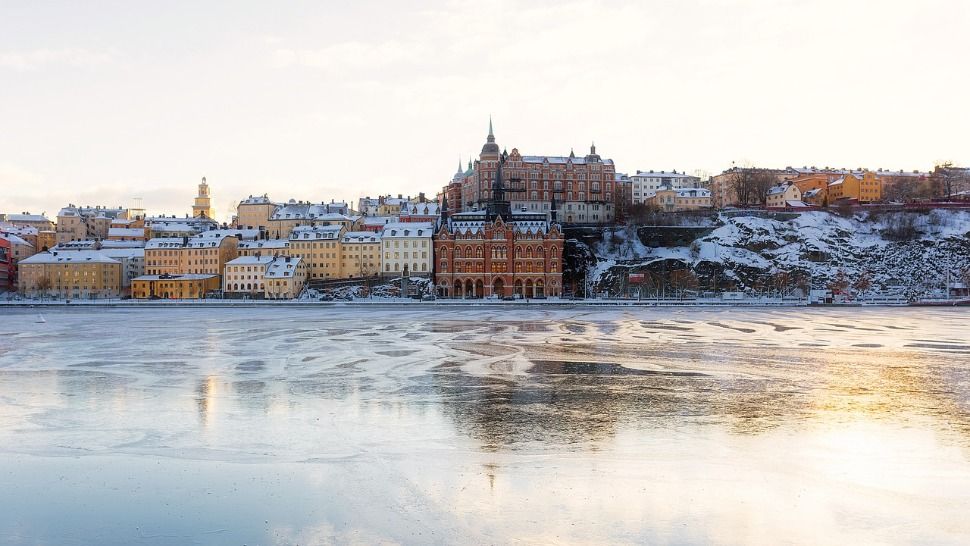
{"points": [[478, 252], [457, 252], [528, 252], [555, 252]]}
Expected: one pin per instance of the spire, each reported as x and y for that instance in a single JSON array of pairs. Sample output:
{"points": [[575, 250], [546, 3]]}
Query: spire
{"points": [[459, 165], [490, 132], [592, 148]]}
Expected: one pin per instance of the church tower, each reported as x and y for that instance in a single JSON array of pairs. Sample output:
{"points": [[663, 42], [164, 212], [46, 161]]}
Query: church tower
{"points": [[203, 204]]}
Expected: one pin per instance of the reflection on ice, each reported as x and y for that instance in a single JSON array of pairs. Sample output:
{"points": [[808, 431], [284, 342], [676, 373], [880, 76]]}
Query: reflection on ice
{"points": [[560, 425]]}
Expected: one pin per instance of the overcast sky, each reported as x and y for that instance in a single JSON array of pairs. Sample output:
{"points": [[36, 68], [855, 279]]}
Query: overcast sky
{"points": [[102, 102]]}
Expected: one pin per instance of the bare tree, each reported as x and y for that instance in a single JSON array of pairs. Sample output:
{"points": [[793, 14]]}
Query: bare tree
{"points": [[43, 285], [949, 179], [840, 283], [862, 284], [901, 188], [751, 185]]}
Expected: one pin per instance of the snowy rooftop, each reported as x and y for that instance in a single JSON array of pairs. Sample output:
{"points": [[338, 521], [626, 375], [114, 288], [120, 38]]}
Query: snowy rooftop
{"points": [[250, 234], [126, 232], [14, 239], [361, 237], [180, 277], [267, 243], [73, 256], [282, 268], [421, 209], [560, 160], [407, 230], [379, 220], [257, 200], [307, 233], [660, 174], [13, 218], [309, 211], [250, 260], [122, 244]]}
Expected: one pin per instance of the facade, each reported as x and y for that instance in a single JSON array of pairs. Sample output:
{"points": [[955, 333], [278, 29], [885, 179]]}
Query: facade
{"points": [[255, 212], [319, 246], [27, 219], [202, 207], [584, 186], [188, 286], [126, 234], [196, 255], [360, 254], [478, 254], [8, 267], [81, 274], [781, 195], [864, 188], [722, 187], [427, 212], [244, 276], [647, 182], [285, 278], [407, 250], [671, 200]]}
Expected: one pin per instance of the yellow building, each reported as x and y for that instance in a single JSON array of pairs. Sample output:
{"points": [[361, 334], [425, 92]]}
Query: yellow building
{"points": [[302, 214], [285, 278], [319, 246], [255, 212], [360, 254], [244, 276], [670, 200], [866, 188], [196, 255], [86, 223], [781, 195], [202, 208], [82, 274], [27, 219], [188, 286]]}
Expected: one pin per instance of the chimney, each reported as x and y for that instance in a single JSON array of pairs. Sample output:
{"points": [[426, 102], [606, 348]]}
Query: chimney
{"points": [[185, 241]]}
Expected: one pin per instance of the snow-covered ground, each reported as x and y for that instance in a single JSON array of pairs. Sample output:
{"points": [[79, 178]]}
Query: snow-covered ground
{"points": [[898, 251], [321, 425]]}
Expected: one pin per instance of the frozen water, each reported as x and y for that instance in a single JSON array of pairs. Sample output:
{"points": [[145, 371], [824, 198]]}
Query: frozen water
{"points": [[484, 425]]}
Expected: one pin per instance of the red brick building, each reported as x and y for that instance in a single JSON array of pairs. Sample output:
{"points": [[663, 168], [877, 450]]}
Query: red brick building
{"points": [[583, 186], [480, 255]]}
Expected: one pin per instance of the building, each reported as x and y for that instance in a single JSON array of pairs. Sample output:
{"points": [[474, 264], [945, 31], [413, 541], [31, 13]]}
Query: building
{"points": [[202, 207], [82, 274], [375, 223], [38, 221], [360, 254], [478, 254], [781, 195], [126, 234], [679, 200], [319, 246], [170, 226], [645, 182], [298, 214], [166, 286], [243, 276], [270, 247], [426, 212], [582, 185], [132, 261], [255, 212], [196, 255], [79, 223], [723, 186], [407, 250], [8, 267], [285, 278], [864, 188]]}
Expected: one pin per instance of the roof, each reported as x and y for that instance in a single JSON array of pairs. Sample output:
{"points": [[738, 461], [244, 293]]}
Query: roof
{"points": [[407, 230], [179, 242], [309, 211], [257, 200], [556, 159], [379, 220], [179, 277], [306, 233], [108, 243], [265, 243], [72, 256], [282, 268], [795, 203], [126, 232], [361, 237], [421, 209], [661, 174], [775, 190], [250, 234], [251, 260], [27, 218]]}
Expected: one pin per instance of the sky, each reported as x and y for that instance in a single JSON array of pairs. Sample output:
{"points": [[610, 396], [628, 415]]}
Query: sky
{"points": [[103, 102]]}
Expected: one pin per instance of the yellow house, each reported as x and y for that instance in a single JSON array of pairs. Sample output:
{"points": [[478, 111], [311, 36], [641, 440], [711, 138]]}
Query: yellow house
{"points": [[244, 275], [671, 200], [165, 286], [866, 188], [197, 255], [81, 274], [780, 195], [360, 254], [285, 278], [319, 246], [255, 212]]}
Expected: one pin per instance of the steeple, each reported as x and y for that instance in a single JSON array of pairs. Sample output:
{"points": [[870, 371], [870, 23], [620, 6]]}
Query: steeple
{"points": [[490, 148], [490, 133]]}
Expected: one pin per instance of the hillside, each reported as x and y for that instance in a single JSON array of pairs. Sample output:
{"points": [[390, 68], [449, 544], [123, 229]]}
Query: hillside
{"points": [[900, 252]]}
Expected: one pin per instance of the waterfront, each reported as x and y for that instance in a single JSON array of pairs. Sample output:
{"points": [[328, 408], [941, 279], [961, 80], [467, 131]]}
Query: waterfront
{"points": [[484, 425]]}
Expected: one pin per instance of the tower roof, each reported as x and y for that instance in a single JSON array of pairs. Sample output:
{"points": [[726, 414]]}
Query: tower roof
{"points": [[490, 146]]}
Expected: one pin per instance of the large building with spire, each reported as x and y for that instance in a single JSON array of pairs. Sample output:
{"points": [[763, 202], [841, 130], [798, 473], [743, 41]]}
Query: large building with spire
{"points": [[581, 189]]}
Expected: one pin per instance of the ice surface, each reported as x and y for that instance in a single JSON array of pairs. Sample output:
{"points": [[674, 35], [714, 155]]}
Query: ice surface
{"points": [[484, 425]]}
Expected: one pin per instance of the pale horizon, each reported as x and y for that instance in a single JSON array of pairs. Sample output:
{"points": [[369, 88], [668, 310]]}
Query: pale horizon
{"points": [[317, 103]]}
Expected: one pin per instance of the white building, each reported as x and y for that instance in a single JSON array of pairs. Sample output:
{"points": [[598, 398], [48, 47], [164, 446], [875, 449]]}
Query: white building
{"points": [[646, 183], [245, 275], [407, 249]]}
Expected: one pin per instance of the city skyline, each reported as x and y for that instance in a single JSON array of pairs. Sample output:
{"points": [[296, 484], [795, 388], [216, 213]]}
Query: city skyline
{"points": [[299, 103]]}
